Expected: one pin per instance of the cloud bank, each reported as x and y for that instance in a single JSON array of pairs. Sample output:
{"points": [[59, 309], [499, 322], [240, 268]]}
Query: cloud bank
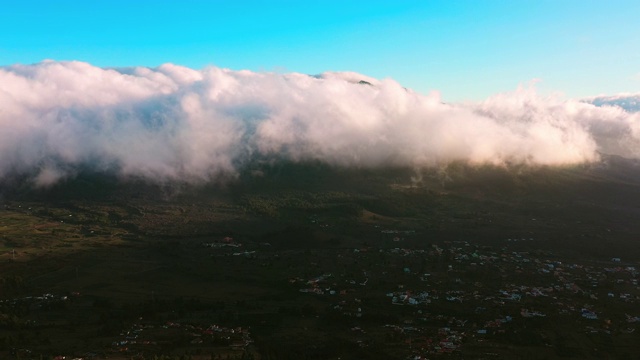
{"points": [[175, 123]]}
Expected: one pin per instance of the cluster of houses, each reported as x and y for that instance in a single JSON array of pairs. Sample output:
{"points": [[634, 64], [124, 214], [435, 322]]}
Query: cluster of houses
{"points": [[145, 336], [34, 301], [227, 241], [510, 283]]}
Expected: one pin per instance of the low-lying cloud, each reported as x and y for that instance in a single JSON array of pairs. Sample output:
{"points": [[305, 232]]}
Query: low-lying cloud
{"points": [[176, 123]]}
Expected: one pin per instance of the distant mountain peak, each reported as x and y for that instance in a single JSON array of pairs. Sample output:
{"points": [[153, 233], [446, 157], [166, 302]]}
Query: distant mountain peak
{"points": [[628, 101]]}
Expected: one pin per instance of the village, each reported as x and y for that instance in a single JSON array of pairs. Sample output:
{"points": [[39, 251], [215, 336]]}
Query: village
{"points": [[453, 298], [320, 286], [459, 296]]}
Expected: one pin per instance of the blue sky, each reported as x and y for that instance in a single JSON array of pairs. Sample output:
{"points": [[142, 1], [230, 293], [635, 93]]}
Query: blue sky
{"points": [[468, 50]]}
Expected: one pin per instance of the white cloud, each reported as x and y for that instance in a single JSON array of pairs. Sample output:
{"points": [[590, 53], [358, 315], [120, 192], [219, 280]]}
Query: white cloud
{"points": [[176, 123]]}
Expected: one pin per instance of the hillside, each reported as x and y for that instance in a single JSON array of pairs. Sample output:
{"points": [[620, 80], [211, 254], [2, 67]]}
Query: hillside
{"points": [[290, 252]]}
